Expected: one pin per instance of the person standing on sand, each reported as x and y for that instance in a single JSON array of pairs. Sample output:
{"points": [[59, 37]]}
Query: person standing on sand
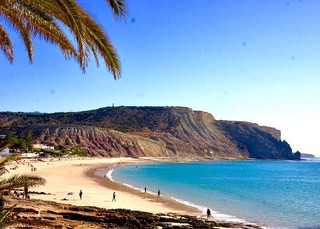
{"points": [[114, 197], [208, 213], [158, 195], [145, 192], [80, 194]]}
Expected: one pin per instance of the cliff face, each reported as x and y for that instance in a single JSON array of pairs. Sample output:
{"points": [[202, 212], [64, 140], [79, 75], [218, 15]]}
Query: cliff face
{"points": [[307, 155], [150, 131], [256, 141]]}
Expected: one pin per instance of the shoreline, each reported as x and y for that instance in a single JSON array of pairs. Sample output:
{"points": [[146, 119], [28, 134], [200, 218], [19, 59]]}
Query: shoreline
{"points": [[87, 174], [67, 176], [176, 206]]}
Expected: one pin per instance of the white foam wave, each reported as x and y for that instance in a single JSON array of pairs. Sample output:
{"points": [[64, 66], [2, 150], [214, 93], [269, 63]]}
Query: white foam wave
{"points": [[215, 214], [139, 189], [201, 208], [130, 186], [109, 174]]}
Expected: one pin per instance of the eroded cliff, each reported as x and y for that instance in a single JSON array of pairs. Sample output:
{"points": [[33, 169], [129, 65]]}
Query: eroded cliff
{"points": [[150, 131], [257, 141]]}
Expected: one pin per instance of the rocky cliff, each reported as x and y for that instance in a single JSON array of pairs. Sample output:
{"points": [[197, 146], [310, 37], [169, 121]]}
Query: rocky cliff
{"points": [[150, 131], [256, 141], [307, 155]]}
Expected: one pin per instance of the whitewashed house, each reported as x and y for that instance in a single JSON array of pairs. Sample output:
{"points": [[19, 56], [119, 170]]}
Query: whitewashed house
{"points": [[43, 146], [4, 152]]}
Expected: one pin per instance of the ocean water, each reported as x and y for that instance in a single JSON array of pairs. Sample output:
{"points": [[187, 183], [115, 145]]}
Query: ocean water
{"points": [[274, 194]]}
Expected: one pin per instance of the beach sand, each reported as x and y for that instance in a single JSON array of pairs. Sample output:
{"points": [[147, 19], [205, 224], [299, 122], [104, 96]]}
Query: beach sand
{"points": [[72, 175]]}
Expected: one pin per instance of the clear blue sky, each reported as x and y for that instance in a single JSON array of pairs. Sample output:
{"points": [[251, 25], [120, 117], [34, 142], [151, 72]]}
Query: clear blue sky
{"points": [[256, 61]]}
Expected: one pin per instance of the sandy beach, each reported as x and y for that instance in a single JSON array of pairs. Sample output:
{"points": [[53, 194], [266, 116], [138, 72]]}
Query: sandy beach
{"points": [[66, 177]]}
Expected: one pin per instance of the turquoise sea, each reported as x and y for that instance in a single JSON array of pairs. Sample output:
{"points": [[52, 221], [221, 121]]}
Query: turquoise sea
{"points": [[274, 194]]}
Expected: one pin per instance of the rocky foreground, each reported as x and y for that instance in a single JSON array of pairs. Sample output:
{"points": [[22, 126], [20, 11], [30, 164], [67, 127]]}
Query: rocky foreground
{"points": [[48, 214]]}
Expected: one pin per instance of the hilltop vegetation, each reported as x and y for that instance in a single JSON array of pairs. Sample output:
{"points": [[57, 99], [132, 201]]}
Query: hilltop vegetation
{"points": [[126, 119]]}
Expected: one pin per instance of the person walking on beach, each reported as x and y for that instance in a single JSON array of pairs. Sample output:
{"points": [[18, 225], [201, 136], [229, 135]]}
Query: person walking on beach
{"points": [[145, 192], [80, 194], [114, 197], [158, 195], [208, 213]]}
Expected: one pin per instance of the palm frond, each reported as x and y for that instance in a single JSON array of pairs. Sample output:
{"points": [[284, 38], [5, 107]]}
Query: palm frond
{"points": [[99, 41], [40, 23], [43, 25], [72, 19], [41, 18], [19, 181], [6, 44], [6, 159], [12, 14], [3, 170], [118, 8], [5, 220]]}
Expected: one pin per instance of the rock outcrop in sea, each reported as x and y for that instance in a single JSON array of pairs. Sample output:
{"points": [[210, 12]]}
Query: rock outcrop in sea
{"points": [[150, 131]]}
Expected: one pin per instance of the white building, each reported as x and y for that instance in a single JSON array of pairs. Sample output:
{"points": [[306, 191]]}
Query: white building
{"points": [[43, 146], [29, 155], [4, 152]]}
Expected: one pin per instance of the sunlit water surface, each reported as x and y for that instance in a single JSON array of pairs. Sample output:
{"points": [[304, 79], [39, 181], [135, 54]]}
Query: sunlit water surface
{"points": [[276, 194]]}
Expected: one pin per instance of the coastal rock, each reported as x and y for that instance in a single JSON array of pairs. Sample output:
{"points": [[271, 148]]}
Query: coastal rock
{"points": [[297, 155], [306, 155], [48, 214], [257, 141]]}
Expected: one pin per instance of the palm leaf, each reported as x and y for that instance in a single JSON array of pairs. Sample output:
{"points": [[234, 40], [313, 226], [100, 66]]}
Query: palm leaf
{"points": [[43, 24], [98, 40], [41, 18], [37, 22], [118, 8], [4, 217], [5, 44], [19, 181], [6, 159], [72, 19], [12, 14]]}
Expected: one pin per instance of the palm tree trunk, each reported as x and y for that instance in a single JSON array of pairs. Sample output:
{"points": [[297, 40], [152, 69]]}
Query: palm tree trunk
{"points": [[26, 191], [1, 201]]}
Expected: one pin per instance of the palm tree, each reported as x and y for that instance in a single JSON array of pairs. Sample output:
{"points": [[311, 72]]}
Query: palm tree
{"points": [[42, 18], [16, 181], [3, 161], [12, 182], [19, 181]]}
